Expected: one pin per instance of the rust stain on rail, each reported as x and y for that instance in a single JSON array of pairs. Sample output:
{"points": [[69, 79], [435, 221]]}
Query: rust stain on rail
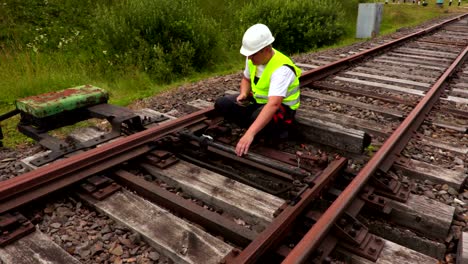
{"points": [[383, 159], [321, 72], [35, 184], [268, 239]]}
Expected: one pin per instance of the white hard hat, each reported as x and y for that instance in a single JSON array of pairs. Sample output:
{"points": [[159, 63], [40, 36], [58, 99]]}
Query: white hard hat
{"points": [[256, 38]]}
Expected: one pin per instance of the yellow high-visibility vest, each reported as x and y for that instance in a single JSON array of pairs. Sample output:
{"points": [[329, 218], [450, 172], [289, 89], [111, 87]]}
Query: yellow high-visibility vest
{"points": [[260, 89]]}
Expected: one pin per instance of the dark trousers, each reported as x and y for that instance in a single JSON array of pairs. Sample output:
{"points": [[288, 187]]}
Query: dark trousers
{"points": [[244, 116]]}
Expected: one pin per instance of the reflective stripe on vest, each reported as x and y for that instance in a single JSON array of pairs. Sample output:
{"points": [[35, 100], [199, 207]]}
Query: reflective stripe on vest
{"points": [[260, 90], [295, 90]]}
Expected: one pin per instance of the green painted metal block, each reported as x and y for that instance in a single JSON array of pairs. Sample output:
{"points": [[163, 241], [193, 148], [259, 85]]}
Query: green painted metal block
{"points": [[53, 103]]}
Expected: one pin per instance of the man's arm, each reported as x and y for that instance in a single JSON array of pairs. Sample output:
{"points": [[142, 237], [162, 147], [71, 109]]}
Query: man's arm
{"points": [[281, 79], [265, 116], [244, 90]]}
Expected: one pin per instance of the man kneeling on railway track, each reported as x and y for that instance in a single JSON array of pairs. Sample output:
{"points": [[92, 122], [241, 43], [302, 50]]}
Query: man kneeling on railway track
{"points": [[269, 90]]}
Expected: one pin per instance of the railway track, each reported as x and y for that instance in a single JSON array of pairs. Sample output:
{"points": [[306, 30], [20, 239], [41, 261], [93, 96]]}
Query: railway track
{"points": [[374, 173]]}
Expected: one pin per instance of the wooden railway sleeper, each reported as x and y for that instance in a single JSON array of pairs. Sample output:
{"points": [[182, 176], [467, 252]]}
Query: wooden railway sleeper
{"points": [[14, 226]]}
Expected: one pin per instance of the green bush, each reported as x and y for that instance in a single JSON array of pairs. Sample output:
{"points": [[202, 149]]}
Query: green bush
{"points": [[298, 25], [165, 38], [46, 25], [226, 14]]}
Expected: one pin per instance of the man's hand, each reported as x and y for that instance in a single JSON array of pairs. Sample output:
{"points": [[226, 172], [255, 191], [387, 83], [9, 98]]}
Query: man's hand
{"points": [[241, 97], [266, 114], [242, 100], [244, 143]]}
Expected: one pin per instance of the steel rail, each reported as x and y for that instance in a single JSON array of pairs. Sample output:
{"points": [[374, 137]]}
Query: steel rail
{"points": [[272, 235], [256, 159], [316, 74], [27, 187], [248, 162], [303, 250]]}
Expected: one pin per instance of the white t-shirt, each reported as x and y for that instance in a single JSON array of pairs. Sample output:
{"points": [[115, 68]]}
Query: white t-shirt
{"points": [[280, 80]]}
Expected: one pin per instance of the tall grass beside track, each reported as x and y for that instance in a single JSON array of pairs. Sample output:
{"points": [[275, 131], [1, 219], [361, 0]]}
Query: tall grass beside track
{"points": [[138, 48]]}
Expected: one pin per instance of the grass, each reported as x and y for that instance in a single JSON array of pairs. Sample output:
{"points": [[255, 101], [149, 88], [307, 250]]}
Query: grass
{"points": [[401, 15], [397, 16], [24, 72], [27, 73]]}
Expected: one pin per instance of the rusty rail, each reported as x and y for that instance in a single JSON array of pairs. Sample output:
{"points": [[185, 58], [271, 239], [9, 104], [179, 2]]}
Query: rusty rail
{"points": [[20, 190], [251, 158], [393, 145], [271, 236], [316, 74], [44, 180]]}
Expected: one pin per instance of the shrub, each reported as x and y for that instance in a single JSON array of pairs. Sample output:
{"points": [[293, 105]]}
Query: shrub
{"points": [[298, 25], [45, 25], [166, 38]]}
